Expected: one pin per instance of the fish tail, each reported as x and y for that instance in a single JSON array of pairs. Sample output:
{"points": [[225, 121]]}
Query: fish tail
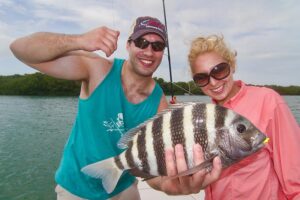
{"points": [[106, 170]]}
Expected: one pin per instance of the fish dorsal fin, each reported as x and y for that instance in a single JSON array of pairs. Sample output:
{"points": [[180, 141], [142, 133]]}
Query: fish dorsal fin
{"points": [[129, 135], [180, 105]]}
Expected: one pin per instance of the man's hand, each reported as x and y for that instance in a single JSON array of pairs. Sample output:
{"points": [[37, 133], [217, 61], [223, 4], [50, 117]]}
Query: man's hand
{"points": [[102, 38], [187, 184]]}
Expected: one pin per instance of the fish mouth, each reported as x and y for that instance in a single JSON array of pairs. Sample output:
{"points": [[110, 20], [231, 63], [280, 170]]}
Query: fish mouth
{"points": [[266, 140], [259, 141]]}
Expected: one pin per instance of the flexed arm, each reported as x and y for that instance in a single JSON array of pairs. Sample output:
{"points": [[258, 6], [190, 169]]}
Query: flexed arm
{"points": [[64, 56]]}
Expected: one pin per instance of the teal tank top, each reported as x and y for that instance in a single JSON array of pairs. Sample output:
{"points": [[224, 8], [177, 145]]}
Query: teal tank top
{"points": [[101, 121]]}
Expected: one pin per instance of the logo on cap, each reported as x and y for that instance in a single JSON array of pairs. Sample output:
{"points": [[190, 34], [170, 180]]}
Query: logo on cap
{"points": [[145, 25]]}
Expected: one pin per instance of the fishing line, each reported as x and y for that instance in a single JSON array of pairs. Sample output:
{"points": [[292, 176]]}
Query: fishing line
{"points": [[168, 47], [113, 12], [188, 91]]}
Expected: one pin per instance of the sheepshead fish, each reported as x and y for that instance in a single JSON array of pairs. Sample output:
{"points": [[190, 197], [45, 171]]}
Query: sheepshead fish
{"points": [[220, 131]]}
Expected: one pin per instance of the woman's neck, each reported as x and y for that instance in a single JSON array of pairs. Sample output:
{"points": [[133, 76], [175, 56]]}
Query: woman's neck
{"points": [[234, 90]]}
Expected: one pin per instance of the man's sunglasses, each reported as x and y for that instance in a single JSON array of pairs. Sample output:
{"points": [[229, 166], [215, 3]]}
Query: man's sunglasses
{"points": [[219, 72], [143, 44]]}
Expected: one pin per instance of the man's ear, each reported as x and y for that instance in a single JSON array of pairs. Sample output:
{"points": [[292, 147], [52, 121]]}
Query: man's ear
{"points": [[127, 45]]}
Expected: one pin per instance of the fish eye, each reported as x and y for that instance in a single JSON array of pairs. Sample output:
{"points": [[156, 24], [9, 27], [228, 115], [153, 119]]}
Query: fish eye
{"points": [[241, 128]]}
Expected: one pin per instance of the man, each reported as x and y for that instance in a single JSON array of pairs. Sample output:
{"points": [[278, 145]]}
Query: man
{"points": [[115, 96]]}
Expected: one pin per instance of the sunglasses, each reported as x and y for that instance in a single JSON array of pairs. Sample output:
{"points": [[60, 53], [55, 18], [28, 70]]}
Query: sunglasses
{"points": [[219, 72], [143, 44]]}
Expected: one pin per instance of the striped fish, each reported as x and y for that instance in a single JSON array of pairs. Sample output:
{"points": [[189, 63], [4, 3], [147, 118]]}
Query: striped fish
{"points": [[220, 132]]}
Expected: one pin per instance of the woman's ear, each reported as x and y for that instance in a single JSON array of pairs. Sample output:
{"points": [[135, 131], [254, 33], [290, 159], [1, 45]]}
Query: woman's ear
{"points": [[232, 69]]}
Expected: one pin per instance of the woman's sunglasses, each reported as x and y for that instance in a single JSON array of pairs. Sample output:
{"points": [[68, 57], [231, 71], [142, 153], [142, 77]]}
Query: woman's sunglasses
{"points": [[143, 44], [219, 72]]}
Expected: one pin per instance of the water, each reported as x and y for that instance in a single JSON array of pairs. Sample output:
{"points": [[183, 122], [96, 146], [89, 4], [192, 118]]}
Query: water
{"points": [[33, 131], [32, 135]]}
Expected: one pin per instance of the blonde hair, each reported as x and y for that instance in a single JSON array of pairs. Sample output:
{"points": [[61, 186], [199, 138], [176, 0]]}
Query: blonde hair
{"points": [[212, 43]]}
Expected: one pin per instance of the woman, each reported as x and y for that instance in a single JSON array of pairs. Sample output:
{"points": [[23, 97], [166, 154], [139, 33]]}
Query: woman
{"points": [[272, 173]]}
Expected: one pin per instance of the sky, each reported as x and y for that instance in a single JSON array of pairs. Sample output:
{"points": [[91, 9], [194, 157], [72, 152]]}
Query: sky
{"points": [[265, 33]]}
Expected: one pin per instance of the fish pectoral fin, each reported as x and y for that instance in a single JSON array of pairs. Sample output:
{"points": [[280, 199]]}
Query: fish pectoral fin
{"points": [[149, 178], [206, 164]]}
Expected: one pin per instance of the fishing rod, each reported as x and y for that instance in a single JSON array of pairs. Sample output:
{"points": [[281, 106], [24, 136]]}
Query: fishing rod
{"points": [[169, 57]]}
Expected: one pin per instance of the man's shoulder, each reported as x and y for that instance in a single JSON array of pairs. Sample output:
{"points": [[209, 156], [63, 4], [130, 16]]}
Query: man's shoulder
{"points": [[98, 68], [99, 64]]}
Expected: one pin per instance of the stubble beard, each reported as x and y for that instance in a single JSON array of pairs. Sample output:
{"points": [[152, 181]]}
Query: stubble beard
{"points": [[137, 68]]}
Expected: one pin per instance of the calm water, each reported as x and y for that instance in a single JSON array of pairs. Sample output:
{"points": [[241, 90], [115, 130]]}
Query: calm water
{"points": [[33, 131]]}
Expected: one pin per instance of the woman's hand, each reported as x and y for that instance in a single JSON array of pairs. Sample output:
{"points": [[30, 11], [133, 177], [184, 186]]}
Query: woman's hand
{"points": [[190, 184]]}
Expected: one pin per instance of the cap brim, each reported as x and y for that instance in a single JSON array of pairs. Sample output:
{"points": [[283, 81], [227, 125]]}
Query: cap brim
{"points": [[140, 33]]}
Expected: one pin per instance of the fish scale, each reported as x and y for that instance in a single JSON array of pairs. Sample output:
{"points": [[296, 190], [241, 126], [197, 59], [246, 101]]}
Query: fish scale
{"points": [[220, 121], [128, 155], [159, 145], [142, 153], [177, 130], [150, 148], [177, 127], [200, 131]]}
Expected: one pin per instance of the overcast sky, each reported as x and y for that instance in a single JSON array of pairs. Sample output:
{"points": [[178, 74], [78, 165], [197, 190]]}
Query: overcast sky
{"points": [[265, 33]]}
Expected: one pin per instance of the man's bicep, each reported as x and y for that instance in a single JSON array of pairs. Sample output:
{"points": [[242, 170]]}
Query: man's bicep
{"points": [[72, 66]]}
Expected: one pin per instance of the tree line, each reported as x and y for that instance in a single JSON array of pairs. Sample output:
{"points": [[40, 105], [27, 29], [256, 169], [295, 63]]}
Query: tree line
{"points": [[39, 84]]}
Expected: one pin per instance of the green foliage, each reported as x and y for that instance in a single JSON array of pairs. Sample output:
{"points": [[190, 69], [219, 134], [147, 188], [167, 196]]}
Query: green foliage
{"points": [[290, 90], [42, 85], [37, 84], [181, 88]]}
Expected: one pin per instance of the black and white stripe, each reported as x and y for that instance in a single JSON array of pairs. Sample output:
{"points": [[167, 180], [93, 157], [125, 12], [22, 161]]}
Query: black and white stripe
{"points": [[230, 117], [129, 156], [159, 146], [177, 129], [150, 149], [199, 125], [210, 124], [142, 152], [188, 130], [220, 116]]}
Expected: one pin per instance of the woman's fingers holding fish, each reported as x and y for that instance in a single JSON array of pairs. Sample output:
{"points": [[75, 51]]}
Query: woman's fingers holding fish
{"points": [[202, 178], [181, 167], [214, 174], [165, 184], [170, 162], [176, 163], [198, 177]]}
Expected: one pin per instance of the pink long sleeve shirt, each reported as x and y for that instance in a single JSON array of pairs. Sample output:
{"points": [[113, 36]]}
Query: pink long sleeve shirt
{"points": [[274, 172]]}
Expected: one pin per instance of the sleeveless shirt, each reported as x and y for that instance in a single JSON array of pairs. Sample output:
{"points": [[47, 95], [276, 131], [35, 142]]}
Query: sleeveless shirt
{"points": [[101, 121]]}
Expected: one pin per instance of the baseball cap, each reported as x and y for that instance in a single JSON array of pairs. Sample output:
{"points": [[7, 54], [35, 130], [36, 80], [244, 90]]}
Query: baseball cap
{"points": [[145, 25]]}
